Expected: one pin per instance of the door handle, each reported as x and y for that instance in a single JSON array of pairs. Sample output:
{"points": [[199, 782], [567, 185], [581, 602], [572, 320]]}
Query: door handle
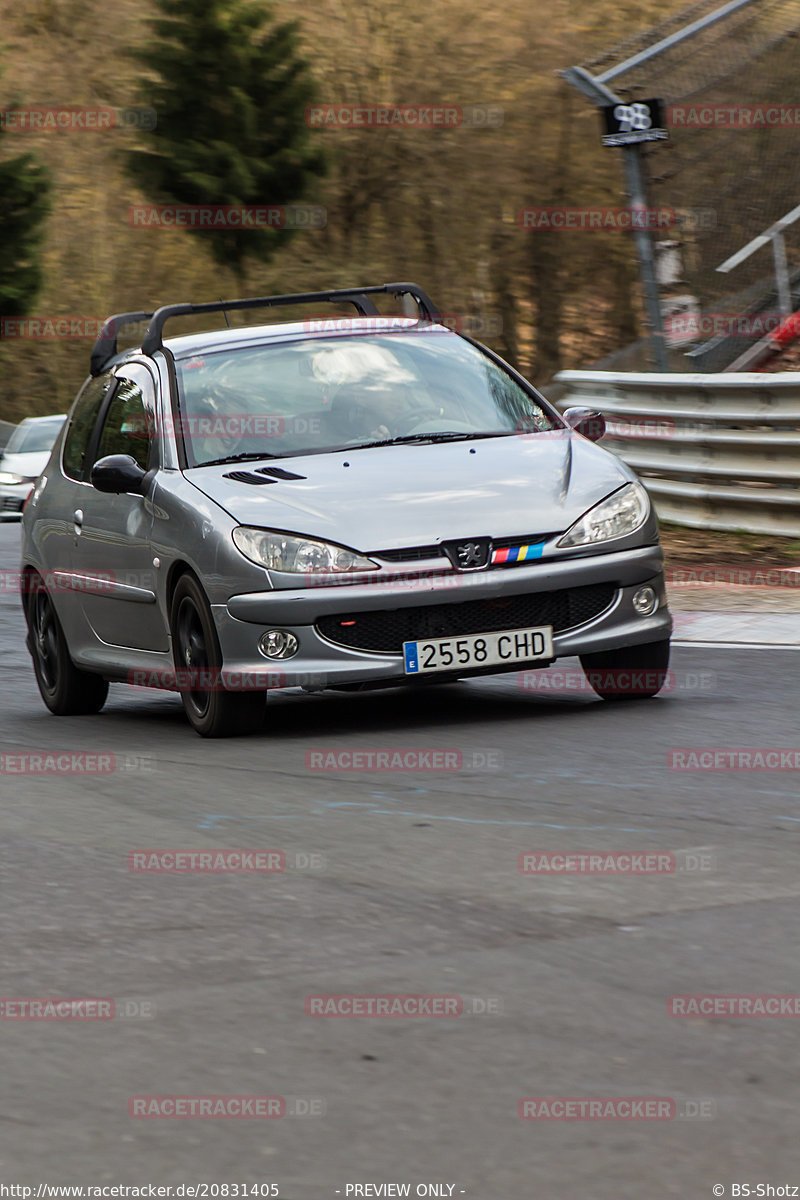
{"points": [[77, 517]]}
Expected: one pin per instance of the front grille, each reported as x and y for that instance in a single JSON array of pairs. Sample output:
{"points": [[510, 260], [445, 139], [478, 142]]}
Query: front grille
{"points": [[385, 630], [12, 504], [409, 553]]}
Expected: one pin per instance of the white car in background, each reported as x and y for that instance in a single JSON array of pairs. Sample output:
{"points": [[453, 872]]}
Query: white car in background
{"points": [[23, 460]]}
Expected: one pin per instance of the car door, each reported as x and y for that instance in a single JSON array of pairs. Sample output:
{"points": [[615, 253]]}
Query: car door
{"points": [[113, 560], [54, 531]]}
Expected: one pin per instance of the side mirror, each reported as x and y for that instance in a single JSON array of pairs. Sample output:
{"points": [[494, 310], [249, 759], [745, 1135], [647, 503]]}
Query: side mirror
{"points": [[118, 473], [586, 421]]}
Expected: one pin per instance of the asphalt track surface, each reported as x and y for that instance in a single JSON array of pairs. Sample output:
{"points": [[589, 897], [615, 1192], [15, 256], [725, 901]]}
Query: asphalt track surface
{"points": [[405, 883]]}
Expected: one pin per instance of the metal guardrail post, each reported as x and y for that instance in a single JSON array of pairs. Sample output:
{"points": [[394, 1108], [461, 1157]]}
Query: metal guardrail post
{"points": [[600, 94]]}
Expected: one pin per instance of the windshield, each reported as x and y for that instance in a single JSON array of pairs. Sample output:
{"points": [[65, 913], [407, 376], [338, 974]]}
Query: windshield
{"points": [[322, 394], [35, 438]]}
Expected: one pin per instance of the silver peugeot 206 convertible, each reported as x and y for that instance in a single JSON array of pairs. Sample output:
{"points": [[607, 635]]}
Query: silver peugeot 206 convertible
{"points": [[339, 502]]}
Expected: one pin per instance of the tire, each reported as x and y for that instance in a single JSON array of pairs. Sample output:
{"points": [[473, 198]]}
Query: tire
{"points": [[631, 673], [66, 690], [212, 713]]}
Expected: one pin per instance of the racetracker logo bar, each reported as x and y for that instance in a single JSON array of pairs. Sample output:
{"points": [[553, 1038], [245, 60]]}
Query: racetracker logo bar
{"points": [[57, 1008], [733, 116], [196, 679], [613, 1108], [226, 861], [207, 1107], [788, 577], [403, 759], [745, 325], [552, 862], [767, 1004], [228, 216], [723, 758], [397, 1005], [48, 118], [475, 324], [74, 763], [595, 217], [557, 681], [385, 116], [49, 329]]}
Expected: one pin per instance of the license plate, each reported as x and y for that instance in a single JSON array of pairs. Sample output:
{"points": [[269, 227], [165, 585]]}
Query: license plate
{"points": [[478, 650]]}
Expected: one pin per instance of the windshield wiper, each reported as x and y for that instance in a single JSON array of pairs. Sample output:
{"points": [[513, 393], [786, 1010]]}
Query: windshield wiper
{"points": [[445, 436], [231, 458]]}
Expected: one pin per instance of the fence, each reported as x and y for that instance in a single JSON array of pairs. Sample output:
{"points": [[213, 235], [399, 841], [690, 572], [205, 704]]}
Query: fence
{"points": [[714, 451]]}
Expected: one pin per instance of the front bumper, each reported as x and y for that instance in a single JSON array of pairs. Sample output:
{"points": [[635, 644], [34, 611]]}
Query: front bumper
{"points": [[322, 663]]}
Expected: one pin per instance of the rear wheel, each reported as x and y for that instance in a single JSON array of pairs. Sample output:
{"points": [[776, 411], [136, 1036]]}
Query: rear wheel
{"points": [[212, 712], [66, 690], [631, 673]]}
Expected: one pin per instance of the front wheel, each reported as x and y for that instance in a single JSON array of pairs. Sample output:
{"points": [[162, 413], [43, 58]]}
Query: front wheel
{"points": [[212, 711], [631, 673], [66, 689]]}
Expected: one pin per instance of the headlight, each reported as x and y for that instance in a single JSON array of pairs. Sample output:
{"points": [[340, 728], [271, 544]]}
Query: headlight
{"points": [[297, 555], [8, 477], [624, 512]]}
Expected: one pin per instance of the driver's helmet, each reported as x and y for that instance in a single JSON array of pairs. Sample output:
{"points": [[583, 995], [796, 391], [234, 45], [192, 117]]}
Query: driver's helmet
{"points": [[209, 427]]}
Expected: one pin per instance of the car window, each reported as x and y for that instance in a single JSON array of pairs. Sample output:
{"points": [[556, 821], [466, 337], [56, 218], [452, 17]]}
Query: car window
{"points": [[35, 438], [317, 394], [126, 427], [82, 423]]}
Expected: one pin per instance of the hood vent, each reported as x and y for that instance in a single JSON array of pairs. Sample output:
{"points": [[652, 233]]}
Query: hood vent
{"points": [[247, 477], [279, 473]]}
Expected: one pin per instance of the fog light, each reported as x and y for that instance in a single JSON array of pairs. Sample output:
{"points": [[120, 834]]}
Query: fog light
{"points": [[645, 601], [278, 643]]}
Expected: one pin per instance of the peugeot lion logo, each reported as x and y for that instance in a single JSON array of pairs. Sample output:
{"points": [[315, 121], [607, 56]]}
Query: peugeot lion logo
{"points": [[469, 556]]}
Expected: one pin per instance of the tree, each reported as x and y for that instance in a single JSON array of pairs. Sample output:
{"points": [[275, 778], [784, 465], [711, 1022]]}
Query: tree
{"points": [[24, 204], [229, 90]]}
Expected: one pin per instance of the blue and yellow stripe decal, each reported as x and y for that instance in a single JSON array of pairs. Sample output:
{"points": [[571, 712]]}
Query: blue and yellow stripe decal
{"points": [[517, 554]]}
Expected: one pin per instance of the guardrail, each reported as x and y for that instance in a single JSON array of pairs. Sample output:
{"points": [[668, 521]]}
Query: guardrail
{"points": [[714, 451]]}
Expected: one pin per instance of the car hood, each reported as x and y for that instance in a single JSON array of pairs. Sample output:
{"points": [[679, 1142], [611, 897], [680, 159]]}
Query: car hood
{"points": [[30, 466], [393, 496]]}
